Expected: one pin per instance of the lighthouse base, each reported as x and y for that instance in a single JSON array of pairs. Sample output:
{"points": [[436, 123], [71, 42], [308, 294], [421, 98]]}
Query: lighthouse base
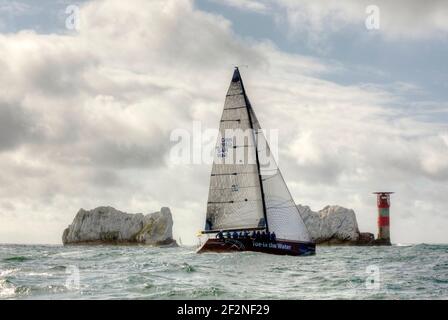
{"points": [[382, 242]]}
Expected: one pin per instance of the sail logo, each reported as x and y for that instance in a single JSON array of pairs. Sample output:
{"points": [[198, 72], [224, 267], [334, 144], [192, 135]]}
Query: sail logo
{"points": [[222, 150], [271, 245]]}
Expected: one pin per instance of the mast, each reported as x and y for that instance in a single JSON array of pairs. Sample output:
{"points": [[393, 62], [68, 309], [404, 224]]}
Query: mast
{"points": [[241, 197], [249, 107]]}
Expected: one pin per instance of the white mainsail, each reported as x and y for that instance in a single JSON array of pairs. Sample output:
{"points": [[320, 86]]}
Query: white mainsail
{"points": [[235, 197], [247, 189]]}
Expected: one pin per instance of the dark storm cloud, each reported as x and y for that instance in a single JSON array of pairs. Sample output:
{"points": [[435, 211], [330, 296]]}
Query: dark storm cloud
{"points": [[59, 73], [325, 172], [105, 178], [17, 126], [114, 154]]}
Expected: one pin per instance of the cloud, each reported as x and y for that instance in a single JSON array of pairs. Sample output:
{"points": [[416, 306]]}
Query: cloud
{"points": [[86, 119], [410, 20], [15, 125], [14, 7], [10, 10], [246, 5]]}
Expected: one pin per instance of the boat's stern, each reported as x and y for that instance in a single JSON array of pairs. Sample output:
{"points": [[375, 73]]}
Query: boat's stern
{"points": [[202, 241]]}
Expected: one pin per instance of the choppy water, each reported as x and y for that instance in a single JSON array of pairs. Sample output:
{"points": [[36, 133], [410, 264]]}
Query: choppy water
{"points": [[108, 272]]}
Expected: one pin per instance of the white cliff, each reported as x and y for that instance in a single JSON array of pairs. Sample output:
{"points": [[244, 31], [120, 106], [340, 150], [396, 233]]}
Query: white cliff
{"points": [[333, 225], [108, 225]]}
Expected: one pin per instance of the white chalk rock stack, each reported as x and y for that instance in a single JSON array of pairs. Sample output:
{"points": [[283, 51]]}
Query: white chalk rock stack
{"points": [[106, 225], [332, 224]]}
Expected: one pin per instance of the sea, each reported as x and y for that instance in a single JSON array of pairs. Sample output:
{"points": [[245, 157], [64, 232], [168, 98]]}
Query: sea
{"points": [[138, 272]]}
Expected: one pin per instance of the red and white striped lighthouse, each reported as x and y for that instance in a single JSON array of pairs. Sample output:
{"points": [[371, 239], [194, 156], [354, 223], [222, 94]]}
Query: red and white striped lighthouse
{"points": [[383, 203]]}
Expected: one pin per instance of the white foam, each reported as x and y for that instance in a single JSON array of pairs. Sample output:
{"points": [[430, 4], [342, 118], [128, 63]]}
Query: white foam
{"points": [[6, 289]]}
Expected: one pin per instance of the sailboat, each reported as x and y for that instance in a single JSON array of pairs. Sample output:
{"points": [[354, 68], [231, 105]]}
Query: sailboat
{"points": [[249, 205]]}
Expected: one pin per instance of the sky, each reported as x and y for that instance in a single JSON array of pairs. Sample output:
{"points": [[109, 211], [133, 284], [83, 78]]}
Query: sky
{"points": [[87, 110]]}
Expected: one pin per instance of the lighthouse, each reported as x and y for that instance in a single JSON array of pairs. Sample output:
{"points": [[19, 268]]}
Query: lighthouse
{"points": [[383, 204]]}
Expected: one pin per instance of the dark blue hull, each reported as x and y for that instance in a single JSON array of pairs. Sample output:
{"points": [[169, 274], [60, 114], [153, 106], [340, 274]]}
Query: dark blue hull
{"points": [[279, 247]]}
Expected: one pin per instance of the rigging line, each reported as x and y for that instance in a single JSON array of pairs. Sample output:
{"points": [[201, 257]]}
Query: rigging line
{"points": [[270, 177]]}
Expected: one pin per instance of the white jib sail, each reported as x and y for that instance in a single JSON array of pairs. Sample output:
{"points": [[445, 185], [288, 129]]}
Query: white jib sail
{"points": [[282, 214]]}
